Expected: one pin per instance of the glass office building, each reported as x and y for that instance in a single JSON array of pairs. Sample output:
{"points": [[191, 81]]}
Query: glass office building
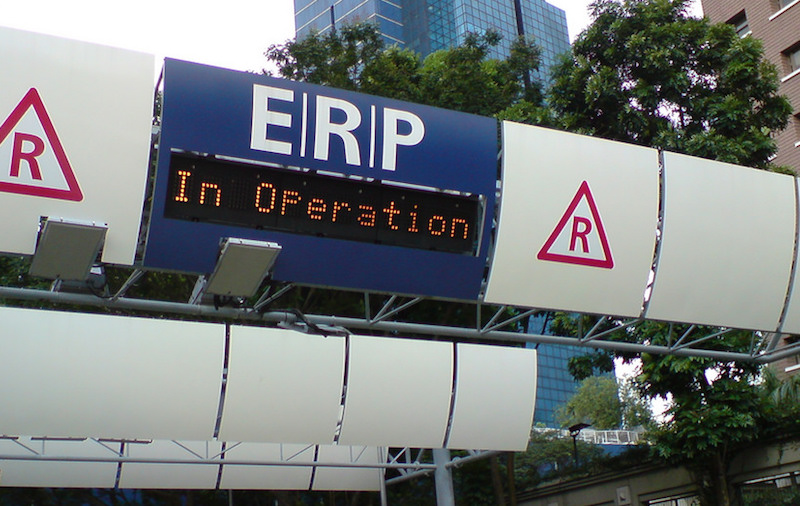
{"points": [[322, 15], [429, 25], [554, 384]]}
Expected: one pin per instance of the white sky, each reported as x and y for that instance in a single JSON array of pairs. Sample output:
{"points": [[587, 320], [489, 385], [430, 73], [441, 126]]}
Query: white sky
{"points": [[227, 33]]}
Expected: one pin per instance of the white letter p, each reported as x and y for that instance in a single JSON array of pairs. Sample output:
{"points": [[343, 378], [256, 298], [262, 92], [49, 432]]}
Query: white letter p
{"points": [[391, 137]]}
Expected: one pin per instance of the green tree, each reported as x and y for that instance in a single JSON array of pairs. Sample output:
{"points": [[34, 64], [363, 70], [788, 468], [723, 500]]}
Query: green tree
{"points": [[596, 402], [636, 410], [606, 403], [715, 409], [781, 401], [550, 454], [461, 78], [646, 72], [336, 59]]}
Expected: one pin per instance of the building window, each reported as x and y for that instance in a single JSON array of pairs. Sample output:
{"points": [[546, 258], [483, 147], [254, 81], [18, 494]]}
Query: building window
{"points": [[781, 6], [791, 62], [779, 489], [796, 121], [793, 58], [740, 24], [685, 500]]}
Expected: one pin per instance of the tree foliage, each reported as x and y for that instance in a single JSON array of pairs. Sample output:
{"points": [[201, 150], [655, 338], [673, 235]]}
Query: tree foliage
{"points": [[334, 59], [605, 403], [595, 402], [716, 408], [637, 411], [461, 78], [646, 72], [551, 455]]}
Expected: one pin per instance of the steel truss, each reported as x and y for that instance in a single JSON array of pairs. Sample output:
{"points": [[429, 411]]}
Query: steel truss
{"points": [[408, 463], [414, 467], [608, 332], [390, 315], [117, 455]]}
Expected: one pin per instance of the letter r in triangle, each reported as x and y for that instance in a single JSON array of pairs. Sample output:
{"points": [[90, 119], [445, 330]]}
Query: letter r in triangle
{"points": [[579, 237], [32, 158]]}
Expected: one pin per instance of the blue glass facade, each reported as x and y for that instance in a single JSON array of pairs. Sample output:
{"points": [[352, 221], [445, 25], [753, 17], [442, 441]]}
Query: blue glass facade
{"points": [[318, 15], [554, 383], [547, 24], [429, 25]]}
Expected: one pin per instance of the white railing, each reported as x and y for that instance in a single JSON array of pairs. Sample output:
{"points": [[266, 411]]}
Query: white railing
{"points": [[599, 437]]}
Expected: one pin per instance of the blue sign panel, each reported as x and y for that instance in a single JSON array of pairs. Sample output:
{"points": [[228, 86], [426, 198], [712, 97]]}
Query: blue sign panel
{"points": [[361, 192]]}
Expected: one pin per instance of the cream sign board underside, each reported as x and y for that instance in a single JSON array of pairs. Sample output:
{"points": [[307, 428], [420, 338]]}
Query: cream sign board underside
{"points": [[75, 122], [727, 246], [577, 226]]}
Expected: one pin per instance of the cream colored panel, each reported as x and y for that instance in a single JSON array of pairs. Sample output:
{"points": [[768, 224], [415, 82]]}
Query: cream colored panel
{"points": [[495, 397], [251, 477], [51, 474], [398, 392], [791, 320], [577, 225], [174, 475], [283, 386], [98, 101], [349, 478], [78, 375], [727, 247]]}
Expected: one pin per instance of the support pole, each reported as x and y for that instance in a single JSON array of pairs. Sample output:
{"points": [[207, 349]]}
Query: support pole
{"points": [[384, 496], [443, 478], [575, 449]]}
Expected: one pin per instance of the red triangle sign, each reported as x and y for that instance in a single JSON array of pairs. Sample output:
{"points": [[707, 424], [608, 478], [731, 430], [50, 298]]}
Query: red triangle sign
{"points": [[579, 238], [32, 159]]}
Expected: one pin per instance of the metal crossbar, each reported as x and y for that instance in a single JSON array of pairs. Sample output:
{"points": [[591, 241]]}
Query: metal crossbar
{"points": [[388, 322]]}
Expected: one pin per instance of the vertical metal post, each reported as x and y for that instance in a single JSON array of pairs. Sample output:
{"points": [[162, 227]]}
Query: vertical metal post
{"points": [[575, 431], [518, 18], [443, 478], [384, 497], [575, 448]]}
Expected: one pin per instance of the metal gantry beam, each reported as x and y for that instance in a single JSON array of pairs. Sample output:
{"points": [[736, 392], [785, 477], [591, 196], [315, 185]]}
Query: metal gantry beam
{"points": [[115, 452], [118, 457], [387, 321]]}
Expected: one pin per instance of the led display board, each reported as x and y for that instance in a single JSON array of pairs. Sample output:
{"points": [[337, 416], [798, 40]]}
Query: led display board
{"points": [[303, 202], [361, 192]]}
